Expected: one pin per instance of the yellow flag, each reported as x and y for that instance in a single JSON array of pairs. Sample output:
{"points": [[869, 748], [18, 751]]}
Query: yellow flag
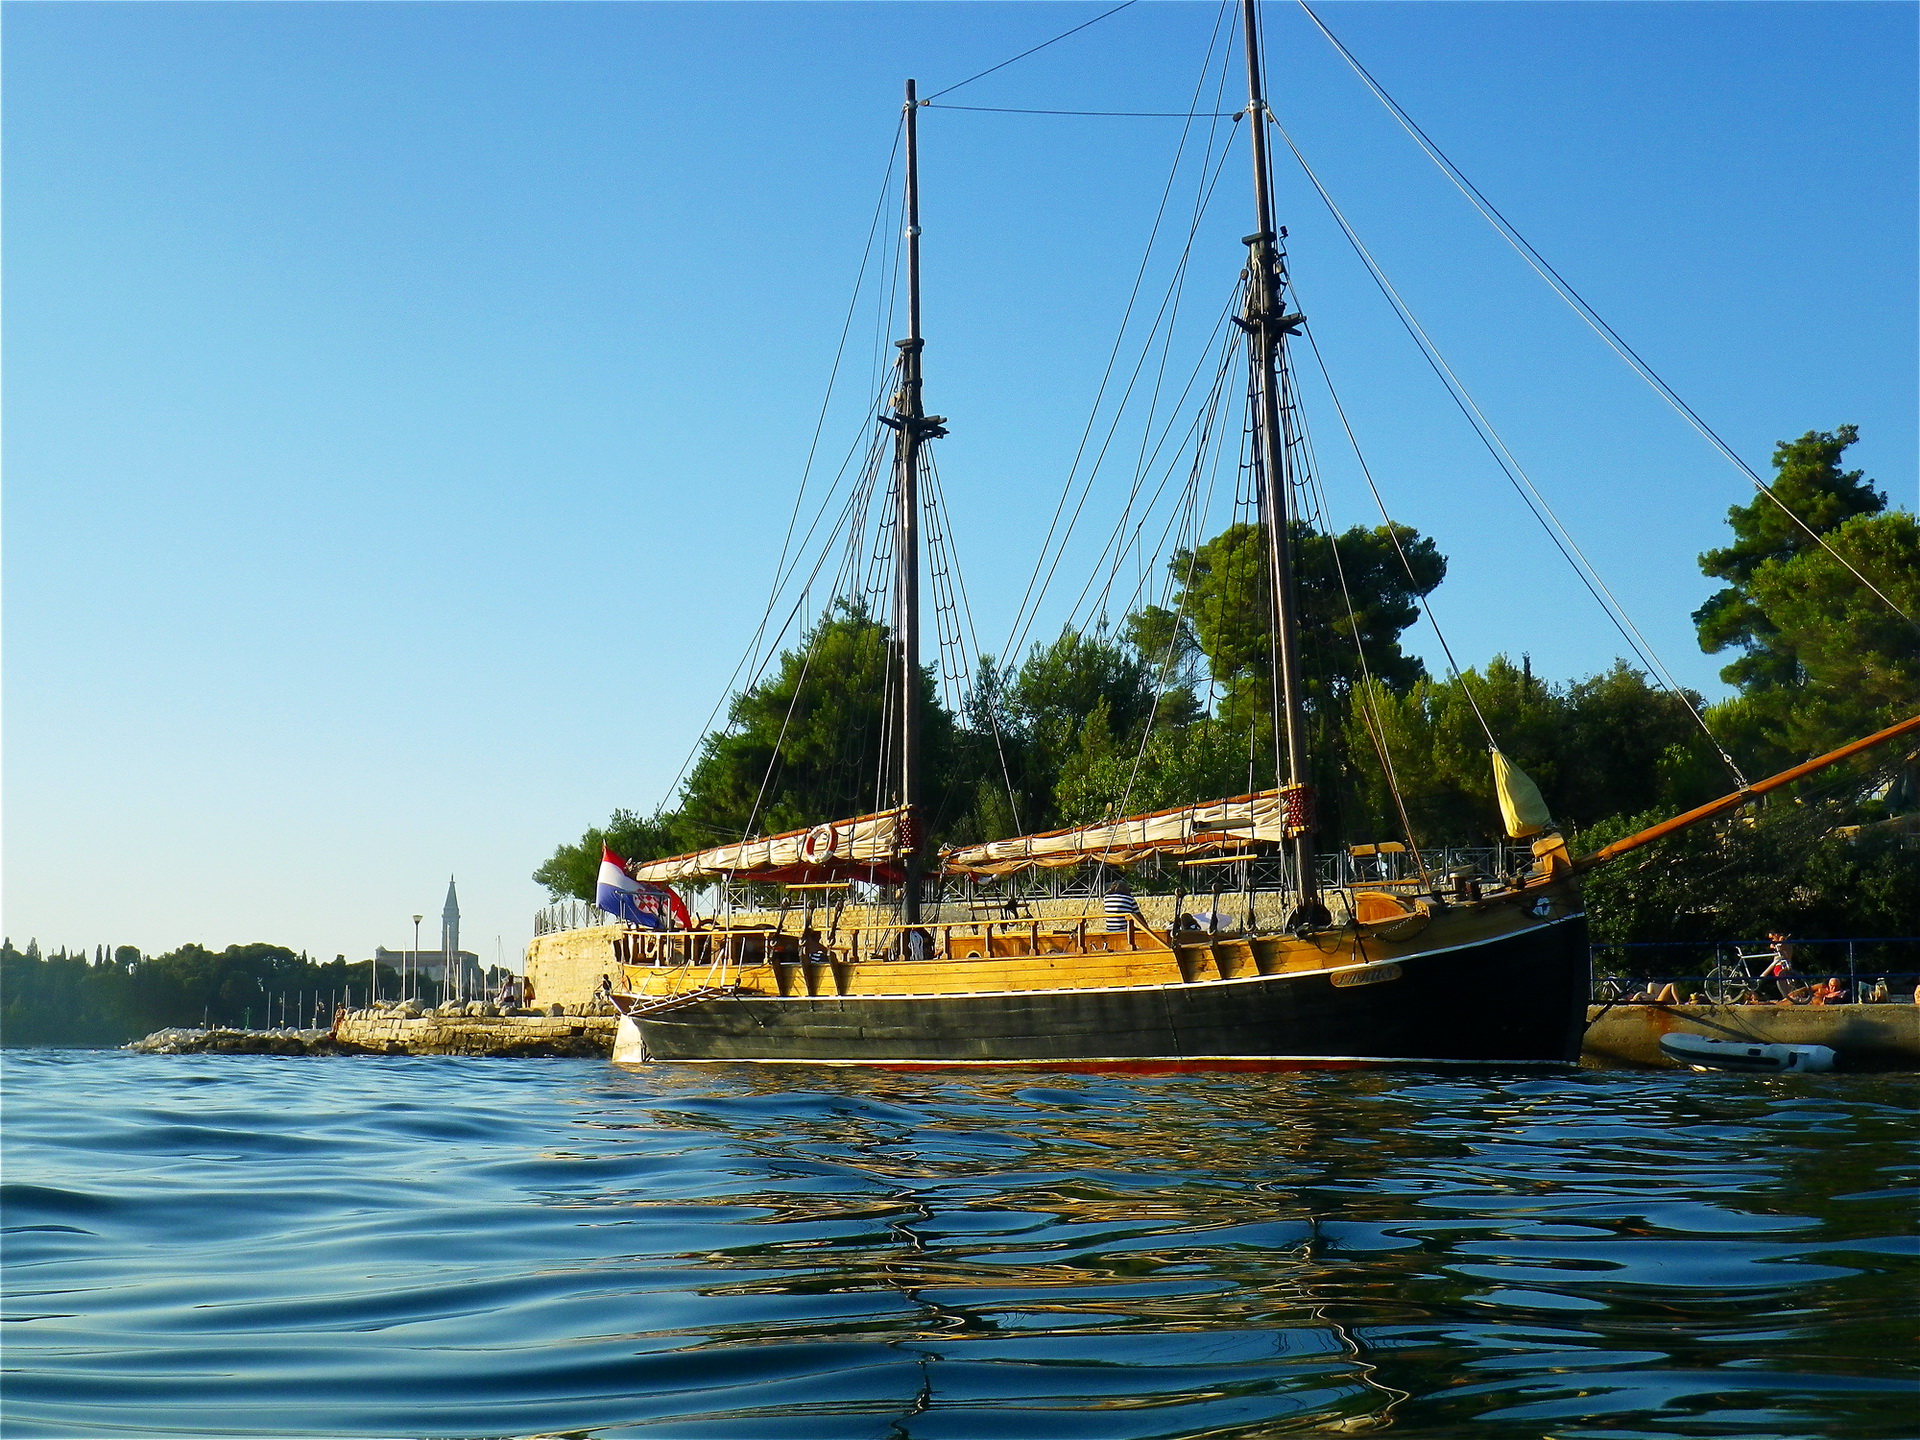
{"points": [[1521, 807]]}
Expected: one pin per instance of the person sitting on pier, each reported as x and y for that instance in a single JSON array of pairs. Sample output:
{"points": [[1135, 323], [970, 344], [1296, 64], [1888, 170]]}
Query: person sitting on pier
{"points": [[1785, 978], [1118, 905], [1665, 995], [1831, 991]]}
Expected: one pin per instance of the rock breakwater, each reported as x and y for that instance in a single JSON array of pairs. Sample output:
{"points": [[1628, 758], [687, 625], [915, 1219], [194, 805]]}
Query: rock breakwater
{"points": [[405, 1030], [219, 1041]]}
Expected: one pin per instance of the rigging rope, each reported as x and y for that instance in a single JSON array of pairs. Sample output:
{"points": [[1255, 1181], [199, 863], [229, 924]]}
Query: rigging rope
{"points": [[990, 704], [774, 759], [1202, 420], [1578, 304], [1370, 714], [1117, 543], [1208, 438], [1113, 114], [1510, 466], [1024, 53], [1393, 533], [1024, 616], [782, 575]]}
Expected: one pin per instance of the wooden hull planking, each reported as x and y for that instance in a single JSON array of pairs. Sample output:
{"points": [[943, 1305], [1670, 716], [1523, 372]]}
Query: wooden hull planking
{"points": [[1504, 981]]}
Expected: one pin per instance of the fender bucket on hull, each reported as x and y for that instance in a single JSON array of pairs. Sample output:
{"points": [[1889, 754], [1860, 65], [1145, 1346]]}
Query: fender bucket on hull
{"points": [[629, 1045]]}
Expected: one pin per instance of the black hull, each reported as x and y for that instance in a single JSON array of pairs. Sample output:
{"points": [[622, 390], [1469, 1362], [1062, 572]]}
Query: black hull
{"points": [[1518, 999]]}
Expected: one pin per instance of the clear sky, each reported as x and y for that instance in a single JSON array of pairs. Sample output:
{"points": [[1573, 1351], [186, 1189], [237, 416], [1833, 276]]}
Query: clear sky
{"points": [[404, 402]]}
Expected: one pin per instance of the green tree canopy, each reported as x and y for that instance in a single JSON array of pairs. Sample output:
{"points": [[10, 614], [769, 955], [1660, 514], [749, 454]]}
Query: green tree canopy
{"points": [[1858, 660], [1809, 482], [803, 745], [1596, 747], [66, 999], [574, 869], [1354, 586]]}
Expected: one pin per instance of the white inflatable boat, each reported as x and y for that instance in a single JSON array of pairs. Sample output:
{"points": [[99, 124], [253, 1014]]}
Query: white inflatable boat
{"points": [[1704, 1054]]}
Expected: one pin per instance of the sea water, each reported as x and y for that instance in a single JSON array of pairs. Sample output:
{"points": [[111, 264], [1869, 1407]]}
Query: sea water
{"points": [[228, 1245]]}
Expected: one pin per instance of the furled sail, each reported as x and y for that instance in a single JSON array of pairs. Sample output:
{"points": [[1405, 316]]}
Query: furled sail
{"points": [[1184, 830], [869, 846], [1521, 807]]}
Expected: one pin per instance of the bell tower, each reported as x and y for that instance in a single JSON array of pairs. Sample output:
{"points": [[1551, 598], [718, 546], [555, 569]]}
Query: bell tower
{"points": [[450, 936]]}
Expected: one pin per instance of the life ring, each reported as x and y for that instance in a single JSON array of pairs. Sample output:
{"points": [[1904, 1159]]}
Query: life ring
{"points": [[819, 844]]}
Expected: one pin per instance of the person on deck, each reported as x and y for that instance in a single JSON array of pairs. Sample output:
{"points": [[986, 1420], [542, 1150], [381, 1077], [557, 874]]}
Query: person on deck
{"points": [[1831, 991], [1118, 905], [1785, 978]]}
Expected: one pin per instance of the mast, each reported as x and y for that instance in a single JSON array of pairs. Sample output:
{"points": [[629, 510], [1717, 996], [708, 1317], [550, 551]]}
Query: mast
{"points": [[911, 426], [1267, 325]]}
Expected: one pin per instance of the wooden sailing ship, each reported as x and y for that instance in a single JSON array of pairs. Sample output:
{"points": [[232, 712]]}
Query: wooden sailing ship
{"points": [[1407, 967]]}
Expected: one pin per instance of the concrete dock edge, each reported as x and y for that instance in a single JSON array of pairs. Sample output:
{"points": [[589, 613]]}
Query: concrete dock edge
{"points": [[1864, 1037]]}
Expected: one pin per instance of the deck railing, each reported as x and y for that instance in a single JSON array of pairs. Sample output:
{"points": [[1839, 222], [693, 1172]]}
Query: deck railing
{"points": [[1162, 876]]}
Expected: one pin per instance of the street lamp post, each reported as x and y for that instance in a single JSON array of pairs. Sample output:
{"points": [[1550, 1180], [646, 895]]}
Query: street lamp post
{"points": [[414, 958]]}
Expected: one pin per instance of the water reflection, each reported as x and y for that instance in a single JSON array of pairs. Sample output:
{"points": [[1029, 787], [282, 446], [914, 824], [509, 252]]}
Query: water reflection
{"points": [[493, 1248]]}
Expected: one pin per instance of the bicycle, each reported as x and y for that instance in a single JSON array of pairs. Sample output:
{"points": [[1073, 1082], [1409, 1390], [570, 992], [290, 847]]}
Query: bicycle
{"points": [[1737, 984]]}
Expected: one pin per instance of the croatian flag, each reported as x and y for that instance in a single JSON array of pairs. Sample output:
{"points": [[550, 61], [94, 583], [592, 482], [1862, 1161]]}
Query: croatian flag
{"points": [[635, 901]]}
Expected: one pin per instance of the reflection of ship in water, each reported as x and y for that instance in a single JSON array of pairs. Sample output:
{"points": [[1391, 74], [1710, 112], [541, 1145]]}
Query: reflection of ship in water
{"points": [[1360, 966], [1207, 1247]]}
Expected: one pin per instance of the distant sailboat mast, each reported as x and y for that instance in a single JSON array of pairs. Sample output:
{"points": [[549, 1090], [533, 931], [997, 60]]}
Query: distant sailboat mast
{"points": [[1267, 325]]}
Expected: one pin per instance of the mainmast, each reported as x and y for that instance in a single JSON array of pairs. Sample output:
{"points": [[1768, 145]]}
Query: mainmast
{"points": [[1267, 325], [911, 426]]}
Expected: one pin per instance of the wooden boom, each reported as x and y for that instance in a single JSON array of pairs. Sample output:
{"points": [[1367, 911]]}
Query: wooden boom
{"points": [[1741, 797]]}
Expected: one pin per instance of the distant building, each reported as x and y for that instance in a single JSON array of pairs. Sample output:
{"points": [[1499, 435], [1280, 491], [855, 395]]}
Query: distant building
{"points": [[470, 979], [450, 923], [432, 965]]}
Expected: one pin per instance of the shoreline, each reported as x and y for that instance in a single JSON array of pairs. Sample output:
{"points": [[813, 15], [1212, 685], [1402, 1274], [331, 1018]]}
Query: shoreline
{"points": [[1866, 1038]]}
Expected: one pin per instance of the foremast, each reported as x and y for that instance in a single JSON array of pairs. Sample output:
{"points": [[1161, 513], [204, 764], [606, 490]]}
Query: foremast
{"points": [[912, 427], [1268, 324]]}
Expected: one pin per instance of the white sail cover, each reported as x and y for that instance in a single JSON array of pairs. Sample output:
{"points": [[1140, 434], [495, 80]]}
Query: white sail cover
{"points": [[868, 840], [1183, 830]]}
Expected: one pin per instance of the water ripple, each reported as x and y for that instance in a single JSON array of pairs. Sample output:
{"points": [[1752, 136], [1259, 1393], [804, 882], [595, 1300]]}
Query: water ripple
{"points": [[255, 1245]]}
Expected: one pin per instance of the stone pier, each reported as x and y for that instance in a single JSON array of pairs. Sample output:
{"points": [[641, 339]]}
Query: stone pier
{"points": [[387, 1033], [1863, 1037]]}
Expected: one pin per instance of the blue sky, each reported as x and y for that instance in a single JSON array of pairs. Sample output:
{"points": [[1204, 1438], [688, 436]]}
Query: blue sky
{"points": [[404, 403]]}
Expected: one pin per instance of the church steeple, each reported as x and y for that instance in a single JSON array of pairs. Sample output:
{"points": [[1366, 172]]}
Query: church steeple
{"points": [[450, 926]]}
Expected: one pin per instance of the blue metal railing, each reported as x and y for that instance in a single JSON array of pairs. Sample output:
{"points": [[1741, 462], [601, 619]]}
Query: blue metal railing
{"points": [[1730, 970]]}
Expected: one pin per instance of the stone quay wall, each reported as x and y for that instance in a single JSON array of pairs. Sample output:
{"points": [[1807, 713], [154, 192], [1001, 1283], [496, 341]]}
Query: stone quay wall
{"points": [[1863, 1037], [565, 967], [529, 1035]]}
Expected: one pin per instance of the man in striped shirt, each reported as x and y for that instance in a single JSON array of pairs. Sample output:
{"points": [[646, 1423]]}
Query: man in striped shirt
{"points": [[1118, 905]]}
